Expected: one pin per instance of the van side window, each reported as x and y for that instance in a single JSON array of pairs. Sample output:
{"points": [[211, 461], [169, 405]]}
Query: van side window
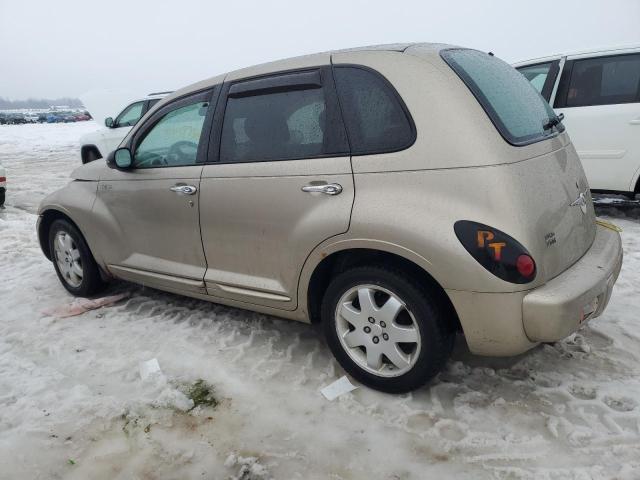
{"points": [[279, 123], [604, 81], [373, 113]]}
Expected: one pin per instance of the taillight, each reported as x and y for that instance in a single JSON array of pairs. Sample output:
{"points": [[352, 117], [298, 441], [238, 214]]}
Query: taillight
{"points": [[496, 251], [3, 179]]}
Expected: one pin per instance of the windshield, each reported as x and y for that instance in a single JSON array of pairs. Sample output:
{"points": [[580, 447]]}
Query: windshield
{"points": [[515, 107]]}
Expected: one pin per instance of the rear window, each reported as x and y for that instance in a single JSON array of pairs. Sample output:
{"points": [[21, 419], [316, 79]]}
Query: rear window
{"points": [[515, 107]]}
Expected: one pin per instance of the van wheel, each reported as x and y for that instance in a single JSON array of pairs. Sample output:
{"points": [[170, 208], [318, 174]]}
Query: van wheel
{"points": [[73, 261], [385, 329]]}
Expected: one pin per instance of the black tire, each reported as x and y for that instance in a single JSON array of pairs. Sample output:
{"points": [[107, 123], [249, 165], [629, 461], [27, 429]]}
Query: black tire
{"points": [[91, 282], [435, 331], [2, 196]]}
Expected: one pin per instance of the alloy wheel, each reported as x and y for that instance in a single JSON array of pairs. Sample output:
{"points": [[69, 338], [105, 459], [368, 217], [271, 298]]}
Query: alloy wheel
{"points": [[68, 258], [377, 330]]}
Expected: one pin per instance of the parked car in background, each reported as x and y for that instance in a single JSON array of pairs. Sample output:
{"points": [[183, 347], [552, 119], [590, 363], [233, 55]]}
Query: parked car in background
{"points": [[98, 144], [3, 185], [16, 119], [599, 94], [81, 117], [31, 117], [3, 119], [352, 188], [42, 118]]}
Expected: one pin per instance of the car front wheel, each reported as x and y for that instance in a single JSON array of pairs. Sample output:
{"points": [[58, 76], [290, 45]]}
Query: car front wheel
{"points": [[73, 261], [385, 329]]}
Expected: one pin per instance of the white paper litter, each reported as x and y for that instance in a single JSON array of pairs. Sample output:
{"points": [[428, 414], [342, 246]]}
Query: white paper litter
{"points": [[337, 388], [150, 368]]}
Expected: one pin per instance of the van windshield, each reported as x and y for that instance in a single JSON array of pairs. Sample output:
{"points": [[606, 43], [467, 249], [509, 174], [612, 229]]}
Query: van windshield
{"points": [[515, 107]]}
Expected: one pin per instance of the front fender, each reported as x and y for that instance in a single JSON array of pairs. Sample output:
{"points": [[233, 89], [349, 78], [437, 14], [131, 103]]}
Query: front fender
{"points": [[75, 202]]}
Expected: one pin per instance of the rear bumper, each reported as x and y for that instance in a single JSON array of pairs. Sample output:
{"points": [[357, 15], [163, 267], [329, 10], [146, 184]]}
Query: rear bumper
{"points": [[504, 324], [582, 292]]}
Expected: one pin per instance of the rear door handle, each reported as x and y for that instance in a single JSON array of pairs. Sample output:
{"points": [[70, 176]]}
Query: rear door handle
{"points": [[328, 188], [184, 189], [635, 122]]}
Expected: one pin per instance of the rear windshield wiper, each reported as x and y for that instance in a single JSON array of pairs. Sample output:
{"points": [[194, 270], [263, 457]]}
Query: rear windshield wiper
{"points": [[557, 120]]}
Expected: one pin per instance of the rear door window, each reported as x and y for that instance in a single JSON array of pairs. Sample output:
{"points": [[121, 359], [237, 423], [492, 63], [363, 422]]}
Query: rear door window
{"points": [[376, 119], [280, 118], [604, 81], [514, 106]]}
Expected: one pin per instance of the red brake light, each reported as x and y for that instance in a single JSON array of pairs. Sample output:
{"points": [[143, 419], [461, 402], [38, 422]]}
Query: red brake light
{"points": [[525, 265], [3, 179]]}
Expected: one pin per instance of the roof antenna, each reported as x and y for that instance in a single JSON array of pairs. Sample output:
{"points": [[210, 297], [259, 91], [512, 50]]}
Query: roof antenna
{"points": [[491, 54]]}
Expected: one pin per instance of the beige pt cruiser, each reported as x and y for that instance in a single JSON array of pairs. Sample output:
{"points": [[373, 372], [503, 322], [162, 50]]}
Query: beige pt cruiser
{"points": [[397, 194]]}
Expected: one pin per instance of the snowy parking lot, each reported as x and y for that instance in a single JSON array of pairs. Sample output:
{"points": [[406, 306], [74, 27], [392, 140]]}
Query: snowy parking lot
{"points": [[73, 403]]}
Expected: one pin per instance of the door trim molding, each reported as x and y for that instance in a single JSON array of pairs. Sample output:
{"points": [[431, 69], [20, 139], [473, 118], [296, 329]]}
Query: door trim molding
{"points": [[146, 277]]}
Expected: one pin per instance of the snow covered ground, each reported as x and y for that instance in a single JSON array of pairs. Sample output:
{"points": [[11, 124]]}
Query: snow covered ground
{"points": [[73, 405]]}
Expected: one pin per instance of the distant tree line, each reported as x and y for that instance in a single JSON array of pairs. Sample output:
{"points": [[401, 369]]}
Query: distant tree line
{"points": [[6, 104]]}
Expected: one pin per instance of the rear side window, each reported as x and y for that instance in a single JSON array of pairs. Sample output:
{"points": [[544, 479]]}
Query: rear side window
{"points": [[604, 81], [285, 123], [515, 107], [375, 117]]}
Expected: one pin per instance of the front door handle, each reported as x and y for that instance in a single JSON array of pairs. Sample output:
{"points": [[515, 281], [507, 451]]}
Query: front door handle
{"points": [[184, 189], [327, 188], [635, 121]]}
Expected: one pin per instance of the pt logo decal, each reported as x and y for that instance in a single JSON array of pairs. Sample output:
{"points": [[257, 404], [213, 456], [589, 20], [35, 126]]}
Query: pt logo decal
{"points": [[485, 236]]}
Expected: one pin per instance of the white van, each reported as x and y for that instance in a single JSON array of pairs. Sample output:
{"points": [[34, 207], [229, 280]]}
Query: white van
{"points": [[599, 94]]}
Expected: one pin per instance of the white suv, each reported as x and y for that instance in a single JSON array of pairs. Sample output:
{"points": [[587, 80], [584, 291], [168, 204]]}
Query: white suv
{"points": [[599, 94], [100, 143]]}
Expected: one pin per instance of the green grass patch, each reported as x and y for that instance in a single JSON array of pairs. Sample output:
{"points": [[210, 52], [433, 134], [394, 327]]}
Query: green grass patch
{"points": [[202, 394]]}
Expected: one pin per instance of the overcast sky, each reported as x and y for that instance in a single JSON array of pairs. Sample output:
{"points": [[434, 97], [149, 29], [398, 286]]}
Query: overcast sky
{"points": [[68, 47]]}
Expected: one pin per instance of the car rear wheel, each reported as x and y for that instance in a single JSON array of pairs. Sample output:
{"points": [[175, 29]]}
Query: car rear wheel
{"points": [[73, 261], [385, 329]]}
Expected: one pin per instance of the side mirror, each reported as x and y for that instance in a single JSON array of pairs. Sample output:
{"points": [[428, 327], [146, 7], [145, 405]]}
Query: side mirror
{"points": [[108, 122], [121, 158]]}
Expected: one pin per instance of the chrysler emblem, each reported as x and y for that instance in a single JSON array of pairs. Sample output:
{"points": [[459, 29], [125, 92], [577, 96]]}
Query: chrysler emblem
{"points": [[581, 201]]}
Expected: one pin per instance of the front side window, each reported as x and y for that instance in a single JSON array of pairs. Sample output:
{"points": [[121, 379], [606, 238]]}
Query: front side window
{"points": [[536, 74], [173, 140], [130, 115], [375, 119], [604, 81], [275, 126], [514, 106]]}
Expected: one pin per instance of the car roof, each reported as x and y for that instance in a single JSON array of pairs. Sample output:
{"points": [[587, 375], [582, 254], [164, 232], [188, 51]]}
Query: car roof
{"points": [[311, 60], [594, 51]]}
